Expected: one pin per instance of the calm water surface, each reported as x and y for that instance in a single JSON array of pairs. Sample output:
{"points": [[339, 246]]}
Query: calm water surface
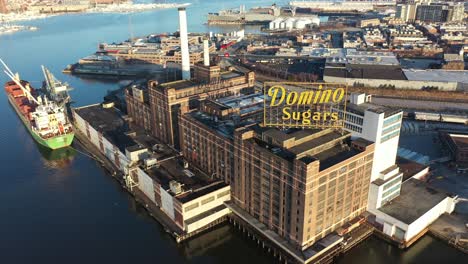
{"points": [[61, 207]]}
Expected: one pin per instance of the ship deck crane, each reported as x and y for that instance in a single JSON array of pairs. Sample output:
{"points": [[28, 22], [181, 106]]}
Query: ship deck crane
{"points": [[55, 89], [16, 79]]}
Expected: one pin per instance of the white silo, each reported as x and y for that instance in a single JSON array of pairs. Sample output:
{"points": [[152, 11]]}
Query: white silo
{"points": [[302, 23], [276, 23], [289, 23]]}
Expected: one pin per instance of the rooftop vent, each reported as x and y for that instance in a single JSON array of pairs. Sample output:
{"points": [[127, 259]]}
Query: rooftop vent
{"points": [[175, 186], [107, 104]]}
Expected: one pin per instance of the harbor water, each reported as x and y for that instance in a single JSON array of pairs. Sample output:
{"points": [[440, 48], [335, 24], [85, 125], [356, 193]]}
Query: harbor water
{"points": [[62, 207]]}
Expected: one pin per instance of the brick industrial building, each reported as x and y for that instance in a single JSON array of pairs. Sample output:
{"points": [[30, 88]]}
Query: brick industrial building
{"points": [[457, 143], [157, 106], [302, 184]]}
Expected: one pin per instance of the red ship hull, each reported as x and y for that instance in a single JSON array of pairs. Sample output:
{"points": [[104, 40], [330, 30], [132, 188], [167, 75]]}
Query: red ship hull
{"points": [[20, 99]]}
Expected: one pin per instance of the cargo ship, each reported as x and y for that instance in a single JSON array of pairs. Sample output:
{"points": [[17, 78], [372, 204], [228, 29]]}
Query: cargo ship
{"points": [[256, 15], [45, 119]]}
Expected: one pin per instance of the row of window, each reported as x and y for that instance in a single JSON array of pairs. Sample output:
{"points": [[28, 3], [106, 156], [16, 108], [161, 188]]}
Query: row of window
{"points": [[390, 136], [391, 120], [392, 182], [390, 197], [391, 128], [387, 193], [353, 127], [207, 200]]}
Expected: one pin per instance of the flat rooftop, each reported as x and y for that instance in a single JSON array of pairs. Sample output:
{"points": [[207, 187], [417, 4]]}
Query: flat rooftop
{"points": [[460, 140], [313, 148], [184, 84], [109, 122], [195, 183], [437, 75], [318, 141], [360, 109], [247, 104], [408, 167], [416, 199], [181, 84], [335, 155], [223, 127], [364, 71], [171, 167], [371, 57]]}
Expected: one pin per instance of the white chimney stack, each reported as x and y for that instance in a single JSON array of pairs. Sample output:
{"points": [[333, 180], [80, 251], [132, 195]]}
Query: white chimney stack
{"points": [[184, 48], [206, 53]]}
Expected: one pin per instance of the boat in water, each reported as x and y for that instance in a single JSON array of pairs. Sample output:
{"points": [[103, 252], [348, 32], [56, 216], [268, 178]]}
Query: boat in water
{"points": [[43, 113]]}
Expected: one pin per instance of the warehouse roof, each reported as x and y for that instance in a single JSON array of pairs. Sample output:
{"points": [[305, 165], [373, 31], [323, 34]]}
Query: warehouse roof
{"points": [[437, 75], [408, 206]]}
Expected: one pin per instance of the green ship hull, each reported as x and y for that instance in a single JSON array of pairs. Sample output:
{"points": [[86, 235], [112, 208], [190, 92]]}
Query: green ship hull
{"points": [[54, 142], [51, 143]]}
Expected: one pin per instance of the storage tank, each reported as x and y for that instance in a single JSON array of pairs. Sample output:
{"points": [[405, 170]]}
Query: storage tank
{"points": [[289, 23], [271, 25], [302, 23], [275, 24], [282, 25]]}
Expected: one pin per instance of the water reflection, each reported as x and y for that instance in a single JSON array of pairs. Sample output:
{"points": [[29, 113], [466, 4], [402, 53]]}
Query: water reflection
{"points": [[58, 158], [200, 245]]}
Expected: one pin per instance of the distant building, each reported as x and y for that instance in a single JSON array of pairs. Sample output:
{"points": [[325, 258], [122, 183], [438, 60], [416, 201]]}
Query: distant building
{"points": [[406, 12], [457, 144], [431, 11], [101, 2], [3, 6], [371, 22]]}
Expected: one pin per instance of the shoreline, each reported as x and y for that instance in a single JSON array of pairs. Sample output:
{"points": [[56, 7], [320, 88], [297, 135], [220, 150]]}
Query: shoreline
{"points": [[109, 9]]}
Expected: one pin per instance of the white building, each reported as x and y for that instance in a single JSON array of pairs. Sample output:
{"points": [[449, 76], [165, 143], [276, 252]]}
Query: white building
{"points": [[154, 173], [382, 126], [402, 209], [407, 217], [293, 23]]}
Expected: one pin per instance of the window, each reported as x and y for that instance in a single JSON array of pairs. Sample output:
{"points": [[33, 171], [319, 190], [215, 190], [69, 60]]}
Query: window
{"points": [[207, 200], [391, 128], [191, 207], [223, 194], [390, 136], [392, 120], [391, 183], [391, 190]]}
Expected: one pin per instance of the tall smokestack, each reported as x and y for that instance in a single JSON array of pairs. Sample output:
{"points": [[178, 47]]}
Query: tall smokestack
{"points": [[206, 53], [184, 44]]}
